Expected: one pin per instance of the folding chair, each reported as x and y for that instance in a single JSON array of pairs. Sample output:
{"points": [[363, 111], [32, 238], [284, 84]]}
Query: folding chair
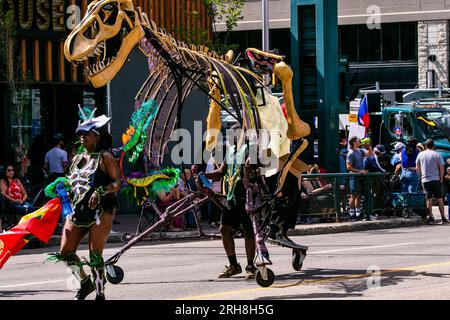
{"points": [[149, 216]]}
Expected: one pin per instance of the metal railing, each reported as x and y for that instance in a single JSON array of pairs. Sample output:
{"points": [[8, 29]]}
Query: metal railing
{"points": [[334, 200]]}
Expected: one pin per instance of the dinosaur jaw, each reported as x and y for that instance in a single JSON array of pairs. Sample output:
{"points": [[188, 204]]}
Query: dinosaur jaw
{"points": [[100, 73], [104, 39]]}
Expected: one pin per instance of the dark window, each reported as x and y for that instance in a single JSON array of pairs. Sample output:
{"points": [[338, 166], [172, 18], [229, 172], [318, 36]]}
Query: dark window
{"points": [[349, 45], [402, 122], [408, 41], [369, 44], [281, 39], [394, 42], [390, 36]]}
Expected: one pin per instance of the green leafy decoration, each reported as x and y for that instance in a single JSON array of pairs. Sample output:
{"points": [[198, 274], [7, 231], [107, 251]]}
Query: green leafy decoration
{"points": [[141, 194], [140, 120]]}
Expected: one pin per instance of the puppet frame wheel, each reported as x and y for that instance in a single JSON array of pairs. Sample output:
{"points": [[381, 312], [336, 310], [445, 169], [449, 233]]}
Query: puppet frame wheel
{"points": [[114, 274]]}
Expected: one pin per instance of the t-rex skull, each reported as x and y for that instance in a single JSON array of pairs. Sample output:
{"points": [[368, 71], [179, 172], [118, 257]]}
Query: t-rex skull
{"points": [[105, 37]]}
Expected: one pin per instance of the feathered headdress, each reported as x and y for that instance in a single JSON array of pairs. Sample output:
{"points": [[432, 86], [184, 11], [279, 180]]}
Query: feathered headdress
{"points": [[91, 123]]}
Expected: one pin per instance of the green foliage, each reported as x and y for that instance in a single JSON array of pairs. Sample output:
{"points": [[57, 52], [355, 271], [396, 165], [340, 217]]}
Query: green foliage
{"points": [[10, 71], [228, 11]]}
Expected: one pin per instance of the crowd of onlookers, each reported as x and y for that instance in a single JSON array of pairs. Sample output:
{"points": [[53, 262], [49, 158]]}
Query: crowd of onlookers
{"points": [[414, 165]]}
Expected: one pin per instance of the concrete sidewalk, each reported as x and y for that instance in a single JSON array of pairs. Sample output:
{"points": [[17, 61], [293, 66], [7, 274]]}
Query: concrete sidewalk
{"points": [[128, 224]]}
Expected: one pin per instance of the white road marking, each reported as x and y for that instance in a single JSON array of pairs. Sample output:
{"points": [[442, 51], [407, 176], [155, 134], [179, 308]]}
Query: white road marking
{"points": [[364, 248], [30, 284]]}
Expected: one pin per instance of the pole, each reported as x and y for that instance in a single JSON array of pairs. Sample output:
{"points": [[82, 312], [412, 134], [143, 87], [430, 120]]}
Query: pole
{"points": [[265, 32], [108, 104], [265, 25]]}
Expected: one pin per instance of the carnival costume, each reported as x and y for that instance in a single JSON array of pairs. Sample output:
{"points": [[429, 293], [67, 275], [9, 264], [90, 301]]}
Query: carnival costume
{"points": [[81, 182]]}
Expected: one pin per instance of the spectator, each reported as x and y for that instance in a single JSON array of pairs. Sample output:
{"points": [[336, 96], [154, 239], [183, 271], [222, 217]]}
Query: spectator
{"points": [[183, 183], [396, 158], [318, 194], [447, 182], [431, 167], [216, 186], [166, 199], [375, 163], [56, 161], [196, 169], [355, 164], [366, 143], [420, 147], [13, 191], [409, 179], [183, 188]]}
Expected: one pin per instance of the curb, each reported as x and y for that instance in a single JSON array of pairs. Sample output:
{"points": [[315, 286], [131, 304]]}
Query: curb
{"points": [[156, 236], [356, 226], [314, 229]]}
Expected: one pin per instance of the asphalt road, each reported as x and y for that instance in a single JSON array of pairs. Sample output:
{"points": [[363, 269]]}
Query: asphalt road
{"points": [[407, 263]]}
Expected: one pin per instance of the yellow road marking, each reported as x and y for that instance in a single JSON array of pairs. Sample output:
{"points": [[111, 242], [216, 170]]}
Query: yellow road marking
{"points": [[304, 282]]}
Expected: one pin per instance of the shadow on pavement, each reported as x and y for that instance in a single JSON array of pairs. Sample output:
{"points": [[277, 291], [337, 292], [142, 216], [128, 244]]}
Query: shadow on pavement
{"points": [[350, 283], [20, 293]]}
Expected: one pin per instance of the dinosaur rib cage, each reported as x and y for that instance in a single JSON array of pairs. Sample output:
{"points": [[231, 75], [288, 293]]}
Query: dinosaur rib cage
{"points": [[174, 71]]}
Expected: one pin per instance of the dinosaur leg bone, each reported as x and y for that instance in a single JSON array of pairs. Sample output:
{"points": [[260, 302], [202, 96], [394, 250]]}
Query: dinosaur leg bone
{"points": [[296, 128]]}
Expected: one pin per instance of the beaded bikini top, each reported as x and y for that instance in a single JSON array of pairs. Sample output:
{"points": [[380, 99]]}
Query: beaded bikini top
{"points": [[81, 179]]}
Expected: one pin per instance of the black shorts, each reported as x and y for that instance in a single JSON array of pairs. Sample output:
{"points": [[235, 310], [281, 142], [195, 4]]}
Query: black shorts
{"points": [[236, 216], [433, 189]]}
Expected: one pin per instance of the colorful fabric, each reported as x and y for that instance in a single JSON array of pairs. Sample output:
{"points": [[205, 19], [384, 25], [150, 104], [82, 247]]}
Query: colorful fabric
{"points": [[40, 224], [363, 113], [14, 190]]}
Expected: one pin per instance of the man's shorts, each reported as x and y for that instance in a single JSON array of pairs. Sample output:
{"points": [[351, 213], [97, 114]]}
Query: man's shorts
{"points": [[356, 185], [236, 216], [433, 189]]}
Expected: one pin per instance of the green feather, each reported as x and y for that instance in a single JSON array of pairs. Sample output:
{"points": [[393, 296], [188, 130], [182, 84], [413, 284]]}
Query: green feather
{"points": [[140, 120], [141, 194]]}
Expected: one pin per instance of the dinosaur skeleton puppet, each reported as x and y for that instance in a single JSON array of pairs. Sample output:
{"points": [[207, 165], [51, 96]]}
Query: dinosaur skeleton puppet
{"points": [[112, 28]]}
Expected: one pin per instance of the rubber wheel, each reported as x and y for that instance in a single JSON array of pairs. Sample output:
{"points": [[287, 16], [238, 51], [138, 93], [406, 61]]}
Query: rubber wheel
{"points": [[405, 213], [117, 278], [265, 283], [126, 237], [296, 257]]}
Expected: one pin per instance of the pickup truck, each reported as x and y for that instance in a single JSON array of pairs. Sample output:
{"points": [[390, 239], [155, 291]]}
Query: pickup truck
{"points": [[401, 121]]}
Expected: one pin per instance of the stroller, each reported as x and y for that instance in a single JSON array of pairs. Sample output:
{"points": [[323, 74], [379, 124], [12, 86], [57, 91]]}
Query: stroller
{"points": [[403, 204]]}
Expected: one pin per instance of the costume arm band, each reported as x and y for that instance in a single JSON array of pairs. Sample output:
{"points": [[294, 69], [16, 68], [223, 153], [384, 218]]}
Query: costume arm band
{"points": [[102, 189]]}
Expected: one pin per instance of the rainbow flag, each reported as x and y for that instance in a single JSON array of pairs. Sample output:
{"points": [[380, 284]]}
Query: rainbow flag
{"points": [[40, 224]]}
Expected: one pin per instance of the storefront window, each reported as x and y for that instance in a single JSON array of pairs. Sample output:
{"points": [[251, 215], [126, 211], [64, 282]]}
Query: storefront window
{"points": [[21, 123]]}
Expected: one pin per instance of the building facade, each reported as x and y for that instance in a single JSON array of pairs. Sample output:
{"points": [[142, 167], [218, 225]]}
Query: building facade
{"points": [[400, 44], [51, 87]]}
